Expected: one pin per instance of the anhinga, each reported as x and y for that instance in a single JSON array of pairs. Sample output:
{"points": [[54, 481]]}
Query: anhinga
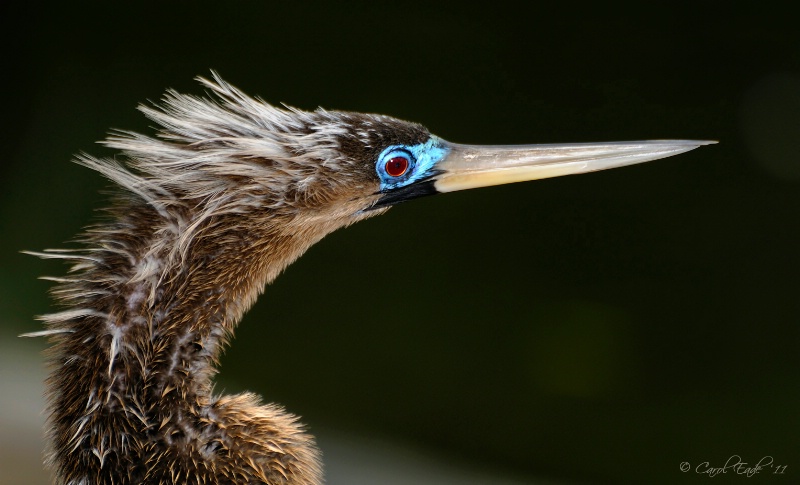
{"points": [[207, 213]]}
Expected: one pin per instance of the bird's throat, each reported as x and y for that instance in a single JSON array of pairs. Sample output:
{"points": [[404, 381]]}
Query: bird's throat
{"points": [[152, 313]]}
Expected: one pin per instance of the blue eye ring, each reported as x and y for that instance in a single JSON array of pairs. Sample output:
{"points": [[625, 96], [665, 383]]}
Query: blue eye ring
{"points": [[422, 159], [395, 165]]}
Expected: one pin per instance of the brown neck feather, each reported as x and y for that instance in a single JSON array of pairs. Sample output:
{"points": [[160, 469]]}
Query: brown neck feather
{"points": [[131, 391]]}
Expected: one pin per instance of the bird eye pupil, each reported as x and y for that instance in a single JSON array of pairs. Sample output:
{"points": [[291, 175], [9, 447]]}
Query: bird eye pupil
{"points": [[397, 166]]}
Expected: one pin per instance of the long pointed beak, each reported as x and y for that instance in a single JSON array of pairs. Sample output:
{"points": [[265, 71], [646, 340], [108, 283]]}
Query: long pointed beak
{"points": [[470, 166]]}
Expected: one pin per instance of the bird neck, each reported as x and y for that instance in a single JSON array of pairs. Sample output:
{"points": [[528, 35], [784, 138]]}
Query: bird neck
{"points": [[184, 306], [151, 313]]}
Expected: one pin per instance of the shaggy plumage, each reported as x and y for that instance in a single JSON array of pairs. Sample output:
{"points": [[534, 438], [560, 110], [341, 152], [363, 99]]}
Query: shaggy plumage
{"points": [[207, 213]]}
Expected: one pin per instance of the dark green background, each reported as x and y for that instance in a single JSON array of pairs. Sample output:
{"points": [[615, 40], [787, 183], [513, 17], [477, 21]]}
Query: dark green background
{"points": [[601, 328]]}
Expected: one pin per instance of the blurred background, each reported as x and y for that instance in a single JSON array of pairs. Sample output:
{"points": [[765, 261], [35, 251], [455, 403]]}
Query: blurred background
{"points": [[596, 329]]}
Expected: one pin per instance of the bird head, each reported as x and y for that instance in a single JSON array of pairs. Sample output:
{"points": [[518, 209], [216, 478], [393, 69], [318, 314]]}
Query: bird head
{"points": [[234, 154]]}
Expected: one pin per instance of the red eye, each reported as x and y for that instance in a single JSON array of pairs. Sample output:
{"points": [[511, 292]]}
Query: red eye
{"points": [[397, 166]]}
